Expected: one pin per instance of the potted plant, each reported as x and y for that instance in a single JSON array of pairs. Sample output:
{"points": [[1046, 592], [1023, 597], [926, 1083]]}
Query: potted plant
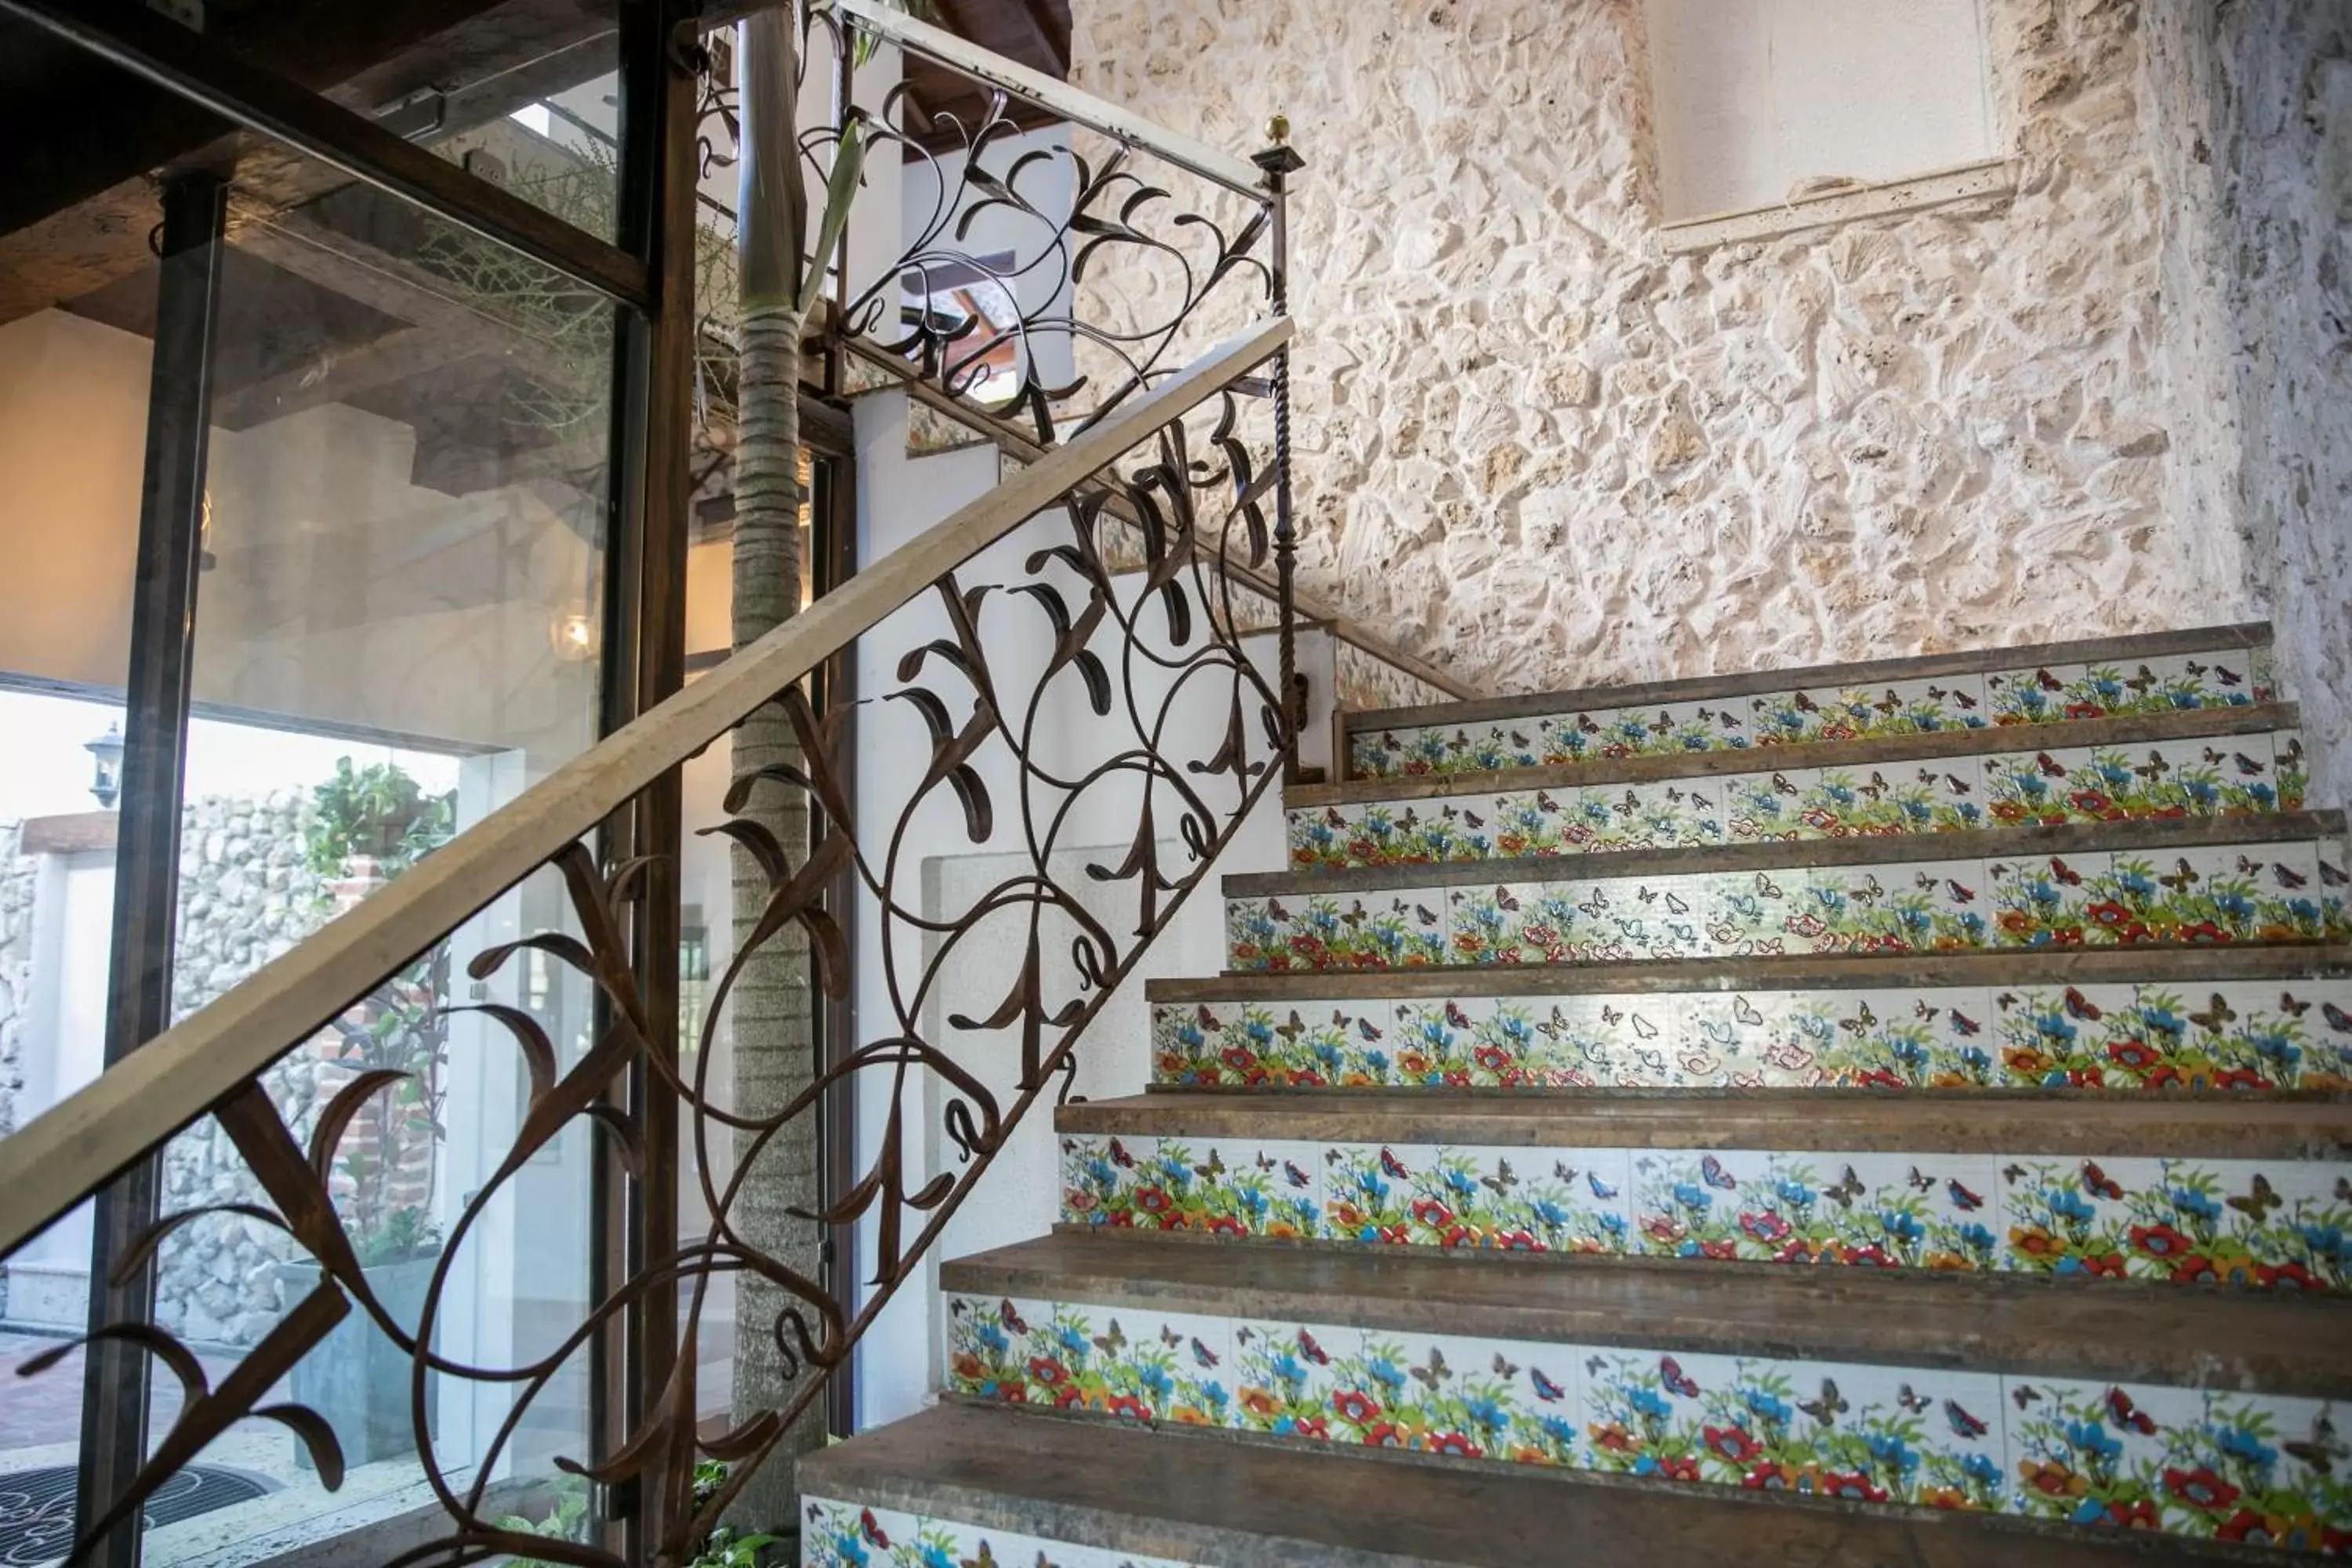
{"points": [[378, 814], [375, 822]]}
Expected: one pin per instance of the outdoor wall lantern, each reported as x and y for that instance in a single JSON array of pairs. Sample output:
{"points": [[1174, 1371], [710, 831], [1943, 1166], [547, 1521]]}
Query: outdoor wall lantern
{"points": [[106, 759]]}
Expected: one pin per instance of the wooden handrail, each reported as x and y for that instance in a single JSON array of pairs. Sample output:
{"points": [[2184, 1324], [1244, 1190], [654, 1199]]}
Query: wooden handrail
{"points": [[71, 1149]]}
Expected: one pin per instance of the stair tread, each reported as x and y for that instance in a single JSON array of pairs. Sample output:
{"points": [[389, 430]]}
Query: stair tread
{"points": [[1861, 672], [2008, 1323], [2157, 837], [2177, 966], [1209, 1499], [1794, 1119], [1939, 745]]}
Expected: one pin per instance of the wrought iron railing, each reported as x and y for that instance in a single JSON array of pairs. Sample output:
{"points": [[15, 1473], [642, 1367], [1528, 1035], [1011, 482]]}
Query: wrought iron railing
{"points": [[1180, 738]]}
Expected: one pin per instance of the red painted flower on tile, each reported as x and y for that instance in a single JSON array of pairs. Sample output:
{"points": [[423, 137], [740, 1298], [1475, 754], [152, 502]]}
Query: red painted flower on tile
{"points": [[2139, 1514], [1052, 1373], [2132, 1056], [1855, 1486], [1357, 1407], [1127, 1406], [1153, 1200], [2200, 1488], [1452, 1443], [1387, 1435], [1226, 1224], [1731, 1443], [2108, 914], [1764, 1227], [2159, 1241], [2288, 1276], [1684, 1468]]}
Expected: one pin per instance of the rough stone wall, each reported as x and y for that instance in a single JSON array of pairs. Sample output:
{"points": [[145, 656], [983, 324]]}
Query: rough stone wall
{"points": [[17, 876], [2260, 278], [246, 896], [1542, 454]]}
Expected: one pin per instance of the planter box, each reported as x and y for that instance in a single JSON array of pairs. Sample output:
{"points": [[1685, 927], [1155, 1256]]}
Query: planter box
{"points": [[358, 1380]]}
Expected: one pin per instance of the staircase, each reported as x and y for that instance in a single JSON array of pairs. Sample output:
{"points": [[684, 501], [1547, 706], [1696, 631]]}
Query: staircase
{"points": [[1462, 1222]]}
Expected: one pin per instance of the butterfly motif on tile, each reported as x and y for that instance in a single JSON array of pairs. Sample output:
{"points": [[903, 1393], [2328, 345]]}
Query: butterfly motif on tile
{"points": [[2322, 1448], [1505, 1367], [1966, 1201], [1847, 1188], [1828, 1406], [2099, 1183], [2127, 1415], [1311, 1350], [2258, 1200], [1911, 1404], [1546, 1389], [1433, 1375], [2218, 1014], [2081, 1007], [1670, 1373], [1203, 1356], [1745, 1011], [1712, 1173], [1963, 1423]]}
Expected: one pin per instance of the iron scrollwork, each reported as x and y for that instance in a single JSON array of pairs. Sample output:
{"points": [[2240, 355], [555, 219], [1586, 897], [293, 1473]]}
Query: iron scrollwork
{"points": [[1141, 675]]}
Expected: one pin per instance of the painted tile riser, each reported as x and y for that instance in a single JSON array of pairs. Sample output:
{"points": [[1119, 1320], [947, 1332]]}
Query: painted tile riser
{"points": [[2286, 891], [2267, 1225], [2223, 777], [2202, 1466], [853, 1536], [2043, 697], [2238, 1035]]}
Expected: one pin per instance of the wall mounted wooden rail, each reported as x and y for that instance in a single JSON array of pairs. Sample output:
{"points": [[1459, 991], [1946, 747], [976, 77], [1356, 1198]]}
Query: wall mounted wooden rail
{"points": [[75, 1147]]}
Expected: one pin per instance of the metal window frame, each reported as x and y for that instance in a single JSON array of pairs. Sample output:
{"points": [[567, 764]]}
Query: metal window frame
{"points": [[649, 269], [144, 42]]}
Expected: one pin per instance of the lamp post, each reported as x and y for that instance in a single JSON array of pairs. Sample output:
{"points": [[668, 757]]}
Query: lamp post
{"points": [[106, 759]]}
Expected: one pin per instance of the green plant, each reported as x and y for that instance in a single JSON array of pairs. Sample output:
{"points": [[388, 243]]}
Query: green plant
{"points": [[568, 1520], [377, 811], [726, 1549], [398, 1030]]}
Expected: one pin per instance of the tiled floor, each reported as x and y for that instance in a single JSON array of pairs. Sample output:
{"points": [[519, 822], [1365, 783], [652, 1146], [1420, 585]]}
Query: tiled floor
{"points": [[46, 1408]]}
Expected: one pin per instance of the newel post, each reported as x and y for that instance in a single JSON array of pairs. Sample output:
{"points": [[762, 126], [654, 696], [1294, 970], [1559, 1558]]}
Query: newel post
{"points": [[1279, 161]]}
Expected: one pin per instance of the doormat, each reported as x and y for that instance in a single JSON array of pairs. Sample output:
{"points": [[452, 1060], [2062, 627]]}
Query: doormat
{"points": [[36, 1507]]}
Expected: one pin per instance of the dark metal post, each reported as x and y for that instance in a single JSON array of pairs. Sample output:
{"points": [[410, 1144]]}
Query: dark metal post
{"points": [[645, 661], [1280, 160], [147, 838]]}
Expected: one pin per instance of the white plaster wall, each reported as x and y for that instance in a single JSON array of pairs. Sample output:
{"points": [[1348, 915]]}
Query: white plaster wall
{"points": [[938, 868], [1545, 457], [1752, 97], [340, 592]]}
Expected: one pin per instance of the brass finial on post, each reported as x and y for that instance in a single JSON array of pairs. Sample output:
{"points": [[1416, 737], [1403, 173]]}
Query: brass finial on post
{"points": [[1277, 129]]}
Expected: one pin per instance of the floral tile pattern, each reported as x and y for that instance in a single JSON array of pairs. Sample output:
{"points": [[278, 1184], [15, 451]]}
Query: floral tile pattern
{"points": [[846, 1535], [849, 1535], [2240, 775], [2206, 896], [2249, 1469], [2217, 894], [1269, 1189], [1503, 1200], [2264, 1225], [1905, 708], [2258, 1469], [1365, 680], [2151, 1037], [2053, 694], [1882, 1211], [2284, 1225], [1865, 1433]]}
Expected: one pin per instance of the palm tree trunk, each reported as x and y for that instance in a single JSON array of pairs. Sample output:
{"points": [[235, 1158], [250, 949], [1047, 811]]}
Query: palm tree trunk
{"points": [[774, 1042]]}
